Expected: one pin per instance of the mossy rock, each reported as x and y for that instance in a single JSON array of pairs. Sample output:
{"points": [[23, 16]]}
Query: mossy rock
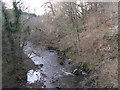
{"points": [[85, 67]]}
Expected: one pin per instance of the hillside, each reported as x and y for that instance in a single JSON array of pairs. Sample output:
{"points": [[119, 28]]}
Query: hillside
{"points": [[99, 47], [73, 44], [98, 43]]}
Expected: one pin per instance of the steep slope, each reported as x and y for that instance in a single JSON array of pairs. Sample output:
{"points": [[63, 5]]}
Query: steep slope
{"points": [[99, 48]]}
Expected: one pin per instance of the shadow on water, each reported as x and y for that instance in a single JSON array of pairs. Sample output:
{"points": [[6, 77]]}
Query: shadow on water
{"points": [[49, 71]]}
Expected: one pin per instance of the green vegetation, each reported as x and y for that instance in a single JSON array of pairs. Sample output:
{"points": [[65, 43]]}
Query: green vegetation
{"points": [[11, 30], [113, 38], [84, 67], [12, 53], [69, 28]]}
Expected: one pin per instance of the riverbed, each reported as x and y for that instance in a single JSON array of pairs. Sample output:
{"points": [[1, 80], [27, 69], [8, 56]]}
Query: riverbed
{"points": [[50, 72]]}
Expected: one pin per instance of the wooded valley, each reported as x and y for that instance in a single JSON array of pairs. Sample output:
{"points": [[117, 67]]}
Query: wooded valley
{"points": [[72, 45]]}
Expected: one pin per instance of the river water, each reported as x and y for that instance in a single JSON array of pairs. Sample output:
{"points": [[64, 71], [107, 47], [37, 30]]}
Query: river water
{"points": [[49, 70]]}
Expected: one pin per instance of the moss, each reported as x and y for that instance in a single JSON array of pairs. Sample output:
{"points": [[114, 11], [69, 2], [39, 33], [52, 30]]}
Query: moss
{"points": [[84, 66]]}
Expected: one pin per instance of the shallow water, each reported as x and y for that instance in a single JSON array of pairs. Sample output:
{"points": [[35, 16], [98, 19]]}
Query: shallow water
{"points": [[52, 74]]}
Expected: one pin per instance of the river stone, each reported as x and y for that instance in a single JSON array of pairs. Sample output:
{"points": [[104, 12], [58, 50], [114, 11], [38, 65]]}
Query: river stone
{"points": [[69, 62], [61, 63], [57, 87], [41, 65], [53, 81], [75, 71]]}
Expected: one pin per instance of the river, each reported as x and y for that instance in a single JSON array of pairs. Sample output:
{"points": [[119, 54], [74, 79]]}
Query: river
{"points": [[49, 71]]}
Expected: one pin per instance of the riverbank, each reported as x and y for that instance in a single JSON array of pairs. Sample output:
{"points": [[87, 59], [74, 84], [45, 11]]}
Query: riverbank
{"points": [[16, 78]]}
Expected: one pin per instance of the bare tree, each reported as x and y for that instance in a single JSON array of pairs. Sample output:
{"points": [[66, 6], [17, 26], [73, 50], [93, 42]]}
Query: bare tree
{"points": [[49, 5]]}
